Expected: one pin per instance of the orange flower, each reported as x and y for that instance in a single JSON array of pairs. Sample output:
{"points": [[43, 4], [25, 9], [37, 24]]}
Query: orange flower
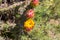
{"points": [[29, 24]]}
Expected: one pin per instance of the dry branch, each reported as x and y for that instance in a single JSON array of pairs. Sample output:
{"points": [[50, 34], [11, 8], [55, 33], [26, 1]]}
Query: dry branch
{"points": [[12, 6]]}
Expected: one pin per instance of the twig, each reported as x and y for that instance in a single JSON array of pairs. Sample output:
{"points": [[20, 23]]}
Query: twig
{"points": [[12, 6]]}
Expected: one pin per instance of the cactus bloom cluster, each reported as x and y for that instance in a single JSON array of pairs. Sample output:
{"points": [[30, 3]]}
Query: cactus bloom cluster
{"points": [[29, 24]]}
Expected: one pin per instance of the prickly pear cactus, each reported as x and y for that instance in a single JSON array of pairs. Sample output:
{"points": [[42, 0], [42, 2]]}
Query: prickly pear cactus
{"points": [[11, 14]]}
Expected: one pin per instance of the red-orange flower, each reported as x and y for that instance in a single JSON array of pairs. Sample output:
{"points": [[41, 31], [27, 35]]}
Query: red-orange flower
{"points": [[30, 13], [35, 2]]}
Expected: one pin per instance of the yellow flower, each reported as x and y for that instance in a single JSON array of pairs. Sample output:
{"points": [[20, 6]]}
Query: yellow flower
{"points": [[29, 24]]}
